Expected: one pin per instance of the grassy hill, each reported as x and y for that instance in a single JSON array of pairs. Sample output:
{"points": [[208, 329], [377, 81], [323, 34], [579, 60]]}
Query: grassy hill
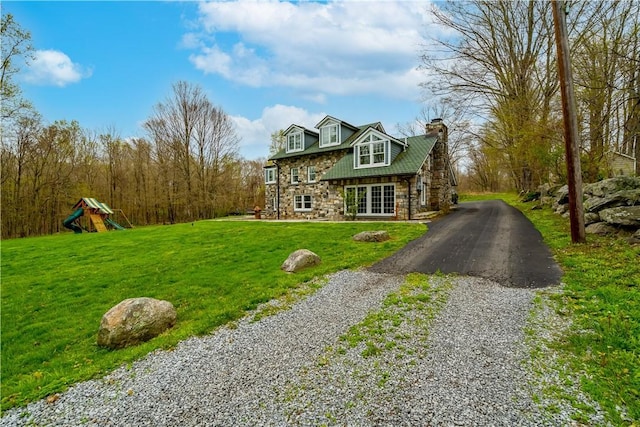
{"points": [[55, 289]]}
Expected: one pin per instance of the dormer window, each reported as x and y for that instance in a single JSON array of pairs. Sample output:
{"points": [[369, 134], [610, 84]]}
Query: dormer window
{"points": [[372, 152], [294, 142], [329, 135]]}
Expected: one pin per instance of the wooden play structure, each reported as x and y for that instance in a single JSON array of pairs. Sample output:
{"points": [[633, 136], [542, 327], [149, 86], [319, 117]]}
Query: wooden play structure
{"points": [[91, 215]]}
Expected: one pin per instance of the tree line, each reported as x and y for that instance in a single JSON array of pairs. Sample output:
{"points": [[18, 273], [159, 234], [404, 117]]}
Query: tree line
{"points": [[186, 168], [497, 70]]}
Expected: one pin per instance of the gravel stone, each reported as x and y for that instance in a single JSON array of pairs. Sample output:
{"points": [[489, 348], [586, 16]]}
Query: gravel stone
{"points": [[463, 367]]}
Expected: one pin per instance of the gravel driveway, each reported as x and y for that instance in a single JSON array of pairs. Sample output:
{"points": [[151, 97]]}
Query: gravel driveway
{"points": [[292, 368]]}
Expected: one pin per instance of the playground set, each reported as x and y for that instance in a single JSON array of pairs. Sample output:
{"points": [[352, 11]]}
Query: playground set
{"points": [[91, 215]]}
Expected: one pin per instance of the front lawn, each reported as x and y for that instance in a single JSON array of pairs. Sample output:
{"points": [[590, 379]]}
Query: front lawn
{"points": [[55, 289]]}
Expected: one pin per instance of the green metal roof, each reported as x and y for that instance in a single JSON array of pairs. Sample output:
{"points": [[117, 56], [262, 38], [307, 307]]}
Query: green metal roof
{"points": [[94, 204], [407, 162], [315, 148]]}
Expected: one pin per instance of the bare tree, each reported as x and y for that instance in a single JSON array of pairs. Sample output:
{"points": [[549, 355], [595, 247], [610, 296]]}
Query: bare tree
{"points": [[501, 64], [216, 142], [456, 118], [500, 67], [193, 139], [603, 78]]}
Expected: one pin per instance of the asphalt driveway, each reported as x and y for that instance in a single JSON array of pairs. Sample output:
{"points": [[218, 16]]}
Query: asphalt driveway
{"points": [[488, 239]]}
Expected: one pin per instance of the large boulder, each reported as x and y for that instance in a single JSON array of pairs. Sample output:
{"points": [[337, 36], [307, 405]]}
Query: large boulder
{"points": [[302, 258], [591, 218], [623, 215], [635, 238], [611, 185], [135, 320], [372, 236], [561, 209], [562, 195], [601, 228], [619, 198]]}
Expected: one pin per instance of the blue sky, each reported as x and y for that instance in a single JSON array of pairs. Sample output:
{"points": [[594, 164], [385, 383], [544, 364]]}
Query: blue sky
{"points": [[267, 64]]}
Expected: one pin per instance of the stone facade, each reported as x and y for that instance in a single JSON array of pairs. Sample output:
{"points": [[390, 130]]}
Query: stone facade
{"points": [[428, 189], [328, 201]]}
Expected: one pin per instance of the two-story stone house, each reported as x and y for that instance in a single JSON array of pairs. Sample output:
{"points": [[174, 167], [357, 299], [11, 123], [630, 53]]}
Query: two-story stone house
{"points": [[342, 171]]}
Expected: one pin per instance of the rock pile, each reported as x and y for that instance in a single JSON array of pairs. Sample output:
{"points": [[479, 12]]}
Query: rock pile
{"points": [[610, 206]]}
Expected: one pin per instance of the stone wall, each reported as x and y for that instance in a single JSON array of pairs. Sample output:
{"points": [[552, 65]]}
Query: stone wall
{"points": [[610, 206]]}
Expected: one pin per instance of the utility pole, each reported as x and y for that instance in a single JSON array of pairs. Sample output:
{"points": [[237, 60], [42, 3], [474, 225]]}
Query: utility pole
{"points": [[571, 137]]}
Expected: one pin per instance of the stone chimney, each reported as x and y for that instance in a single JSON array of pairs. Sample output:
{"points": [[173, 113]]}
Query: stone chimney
{"points": [[440, 194], [437, 125]]}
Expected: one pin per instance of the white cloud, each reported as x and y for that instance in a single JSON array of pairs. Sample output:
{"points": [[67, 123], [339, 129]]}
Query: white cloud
{"points": [[52, 67], [256, 134], [337, 47]]}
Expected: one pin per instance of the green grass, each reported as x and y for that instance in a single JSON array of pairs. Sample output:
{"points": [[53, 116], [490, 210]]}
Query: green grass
{"points": [[377, 331], [602, 298], [55, 289]]}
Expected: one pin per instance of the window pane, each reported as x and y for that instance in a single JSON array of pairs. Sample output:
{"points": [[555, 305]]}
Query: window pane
{"points": [[325, 136], [362, 200], [294, 142], [376, 199], [307, 202], [378, 152], [329, 135], [389, 199], [311, 173], [350, 198], [269, 175], [365, 159]]}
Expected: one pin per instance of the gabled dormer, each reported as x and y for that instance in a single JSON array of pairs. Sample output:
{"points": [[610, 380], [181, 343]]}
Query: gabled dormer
{"points": [[374, 148], [298, 138], [334, 132]]}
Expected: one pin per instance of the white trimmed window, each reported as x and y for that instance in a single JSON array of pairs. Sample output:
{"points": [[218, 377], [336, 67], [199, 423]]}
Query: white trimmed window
{"points": [[372, 152], [302, 203], [294, 142], [371, 200], [295, 177], [329, 135], [270, 176], [311, 174]]}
